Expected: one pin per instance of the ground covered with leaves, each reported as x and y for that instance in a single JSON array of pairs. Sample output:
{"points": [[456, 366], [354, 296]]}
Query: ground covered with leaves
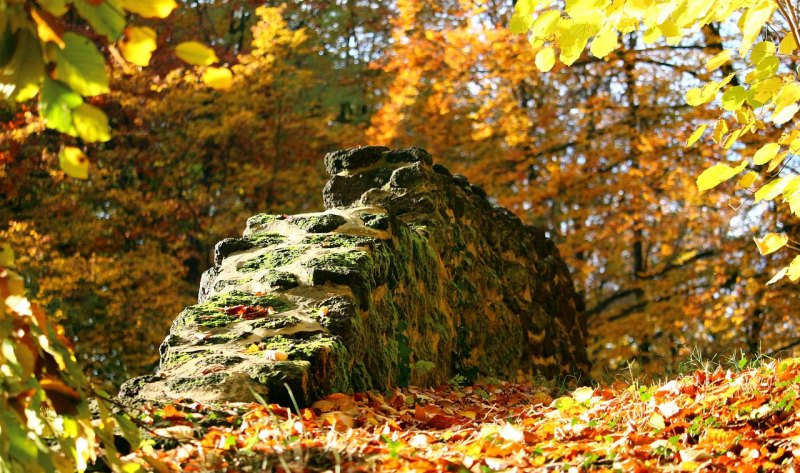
{"points": [[744, 419]]}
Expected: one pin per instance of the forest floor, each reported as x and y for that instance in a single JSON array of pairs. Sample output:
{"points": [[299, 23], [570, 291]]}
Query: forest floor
{"points": [[743, 419]]}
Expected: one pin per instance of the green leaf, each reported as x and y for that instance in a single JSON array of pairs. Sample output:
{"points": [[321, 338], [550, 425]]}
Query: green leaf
{"points": [[105, 17], [717, 174], [56, 103], [766, 153], [20, 78], [81, 66], [74, 162], [150, 8], [734, 98], [7, 44], [196, 54], [91, 123]]}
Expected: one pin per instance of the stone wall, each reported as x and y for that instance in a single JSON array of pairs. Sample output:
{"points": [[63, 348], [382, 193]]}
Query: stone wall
{"points": [[410, 277]]}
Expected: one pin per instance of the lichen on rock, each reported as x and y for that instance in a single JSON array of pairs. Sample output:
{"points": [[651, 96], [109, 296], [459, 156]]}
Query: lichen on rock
{"points": [[409, 266]]}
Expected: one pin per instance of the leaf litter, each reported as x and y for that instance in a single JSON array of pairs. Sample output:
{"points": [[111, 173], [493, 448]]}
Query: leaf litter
{"points": [[743, 421]]}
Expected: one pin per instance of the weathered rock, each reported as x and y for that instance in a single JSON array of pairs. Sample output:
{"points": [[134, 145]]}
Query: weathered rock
{"points": [[409, 264]]}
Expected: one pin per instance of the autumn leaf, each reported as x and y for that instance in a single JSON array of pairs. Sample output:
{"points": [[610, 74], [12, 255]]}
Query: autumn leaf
{"points": [[771, 242], [74, 162], [195, 53]]}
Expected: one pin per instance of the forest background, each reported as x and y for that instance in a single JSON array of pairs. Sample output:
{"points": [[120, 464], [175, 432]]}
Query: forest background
{"points": [[593, 153]]}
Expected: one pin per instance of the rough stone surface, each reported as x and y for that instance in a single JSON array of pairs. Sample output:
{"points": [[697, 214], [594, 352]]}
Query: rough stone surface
{"points": [[410, 265]]}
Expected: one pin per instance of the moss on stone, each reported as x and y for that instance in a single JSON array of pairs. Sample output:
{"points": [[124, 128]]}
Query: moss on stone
{"points": [[339, 240], [186, 384], [279, 280], [262, 219], [375, 220], [319, 223], [273, 259], [265, 239], [274, 323], [210, 314], [176, 358]]}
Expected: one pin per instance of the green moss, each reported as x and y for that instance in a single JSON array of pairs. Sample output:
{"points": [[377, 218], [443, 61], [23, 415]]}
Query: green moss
{"points": [[339, 240], [262, 219], [265, 239], [348, 260], [274, 323], [223, 338], [185, 384], [175, 359], [376, 221], [225, 283], [211, 314], [279, 279], [273, 259], [319, 223]]}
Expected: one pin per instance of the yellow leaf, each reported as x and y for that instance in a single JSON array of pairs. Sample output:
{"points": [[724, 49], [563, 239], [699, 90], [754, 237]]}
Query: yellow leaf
{"points": [[778, 276], [138, 44], [785, 114], [747, 180], [696, 135], [219, 78], [545, 24], [48, 27], [6, 255], [733, 98], [252, 348], [604, 43], [718, 174], [715, 62], [720, 128], [751, 23], [793, 271], [787, 45], [545, 59], [788, 94], [656, 421], [196, 54], [777, 160], [771, 243], [91, 123], [772, 189], [762, 51], [74, 162], [149, 8], [766, 153]]}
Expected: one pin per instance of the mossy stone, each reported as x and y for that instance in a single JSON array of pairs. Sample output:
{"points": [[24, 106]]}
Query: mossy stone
{"points": [[274, 258], [279, 280], [319, 223], [376, 221]]}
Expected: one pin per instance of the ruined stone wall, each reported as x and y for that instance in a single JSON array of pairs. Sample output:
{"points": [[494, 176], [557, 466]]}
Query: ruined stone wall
{"points": [[410, 277]]}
